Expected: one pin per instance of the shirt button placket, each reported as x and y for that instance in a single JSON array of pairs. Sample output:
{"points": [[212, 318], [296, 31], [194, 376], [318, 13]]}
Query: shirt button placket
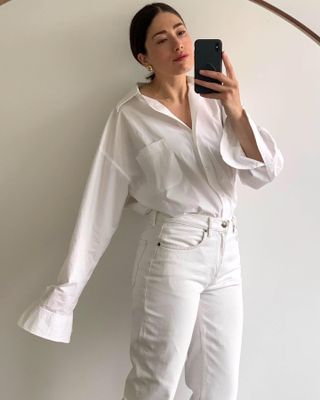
{"points": [[203, 161], [206, 169]]}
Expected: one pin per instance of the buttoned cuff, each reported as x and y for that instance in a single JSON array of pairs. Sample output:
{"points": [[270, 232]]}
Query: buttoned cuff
{"points": [[47, 324], [232, 152]]}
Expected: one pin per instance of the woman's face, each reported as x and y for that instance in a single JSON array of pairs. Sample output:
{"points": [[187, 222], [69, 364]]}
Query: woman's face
{"points": [[163, 48]]}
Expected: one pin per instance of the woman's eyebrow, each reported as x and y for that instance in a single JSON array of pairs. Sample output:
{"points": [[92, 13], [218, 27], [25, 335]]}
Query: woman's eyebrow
{"points": [[164, 31]]}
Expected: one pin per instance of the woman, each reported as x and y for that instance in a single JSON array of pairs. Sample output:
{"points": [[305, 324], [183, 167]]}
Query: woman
{"points": [[173, 155]]}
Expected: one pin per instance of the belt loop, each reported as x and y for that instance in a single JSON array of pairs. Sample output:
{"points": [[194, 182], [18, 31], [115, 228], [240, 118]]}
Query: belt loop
{"points": [[209, 225], [234, 220], [154, 217]]}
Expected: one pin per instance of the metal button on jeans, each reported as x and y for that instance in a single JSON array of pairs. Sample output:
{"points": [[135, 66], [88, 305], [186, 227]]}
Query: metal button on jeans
{"points": [[224, 223]]}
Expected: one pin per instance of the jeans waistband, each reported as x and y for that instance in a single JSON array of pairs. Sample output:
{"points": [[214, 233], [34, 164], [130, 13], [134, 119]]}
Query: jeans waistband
{"points": [[204, 221]]}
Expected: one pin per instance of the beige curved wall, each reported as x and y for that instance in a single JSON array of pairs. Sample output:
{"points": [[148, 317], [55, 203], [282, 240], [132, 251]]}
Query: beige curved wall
{"points": [[63, 67]]}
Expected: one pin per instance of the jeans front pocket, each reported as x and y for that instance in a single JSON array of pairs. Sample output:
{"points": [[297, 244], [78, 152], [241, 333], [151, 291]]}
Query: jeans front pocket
{"points": [[142, 245], [180, 236]]}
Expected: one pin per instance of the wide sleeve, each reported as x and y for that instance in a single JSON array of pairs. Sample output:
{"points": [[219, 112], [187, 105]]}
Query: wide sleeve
{"points": [[103, 199], [251, 172]]}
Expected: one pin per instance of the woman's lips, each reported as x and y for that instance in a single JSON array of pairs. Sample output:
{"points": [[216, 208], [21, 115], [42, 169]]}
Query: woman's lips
{"points": [[182, 58]]}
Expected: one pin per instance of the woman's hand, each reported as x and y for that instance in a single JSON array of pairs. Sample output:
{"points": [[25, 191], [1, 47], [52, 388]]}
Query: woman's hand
{"points": [[229, 93]]}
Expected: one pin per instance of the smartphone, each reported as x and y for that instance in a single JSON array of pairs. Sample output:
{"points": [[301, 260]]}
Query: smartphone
{"points": [[207, 55]]}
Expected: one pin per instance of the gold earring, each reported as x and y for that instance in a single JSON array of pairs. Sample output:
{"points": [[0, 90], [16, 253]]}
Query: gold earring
{"points": [[149, 68]]}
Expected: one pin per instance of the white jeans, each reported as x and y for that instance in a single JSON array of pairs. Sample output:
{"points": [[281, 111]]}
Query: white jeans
{"points": [[187, 309]]}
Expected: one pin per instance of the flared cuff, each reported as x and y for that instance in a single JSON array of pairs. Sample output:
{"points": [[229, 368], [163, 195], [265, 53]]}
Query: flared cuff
{"points": [[232, 152], [47, 324]]}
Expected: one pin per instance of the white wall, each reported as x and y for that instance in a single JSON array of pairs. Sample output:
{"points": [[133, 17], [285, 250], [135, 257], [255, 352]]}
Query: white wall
{"points": [[63, 67]]}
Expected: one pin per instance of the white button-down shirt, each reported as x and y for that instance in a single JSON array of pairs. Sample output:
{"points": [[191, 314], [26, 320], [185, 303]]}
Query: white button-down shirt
{"points": [[148, 159]]}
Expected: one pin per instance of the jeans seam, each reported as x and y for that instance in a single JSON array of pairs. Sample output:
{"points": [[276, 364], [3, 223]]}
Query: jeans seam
{"points": [[221, 253], [137, 266], [202, 340], [145, 305]]}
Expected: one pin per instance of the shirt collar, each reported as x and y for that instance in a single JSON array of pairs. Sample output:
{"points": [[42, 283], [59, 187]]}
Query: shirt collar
{"points": [[136, 92]]}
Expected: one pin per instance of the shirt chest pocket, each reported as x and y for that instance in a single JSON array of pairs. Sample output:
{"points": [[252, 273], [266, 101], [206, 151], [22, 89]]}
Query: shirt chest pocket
{"points": [[159, 165]]}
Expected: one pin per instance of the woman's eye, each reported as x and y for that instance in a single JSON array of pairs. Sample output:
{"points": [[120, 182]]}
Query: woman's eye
{"points": [[161, 41]]}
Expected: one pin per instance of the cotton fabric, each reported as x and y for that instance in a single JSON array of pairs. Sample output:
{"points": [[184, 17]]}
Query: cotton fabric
{"points": [[148, 159]]}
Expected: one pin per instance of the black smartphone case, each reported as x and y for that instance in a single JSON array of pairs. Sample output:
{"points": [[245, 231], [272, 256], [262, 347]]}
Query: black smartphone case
{"points": [[207, 55]]}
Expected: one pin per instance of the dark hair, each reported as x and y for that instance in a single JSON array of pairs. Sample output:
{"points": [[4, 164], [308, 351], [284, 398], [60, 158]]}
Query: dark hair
{"points": [[140, 24]]}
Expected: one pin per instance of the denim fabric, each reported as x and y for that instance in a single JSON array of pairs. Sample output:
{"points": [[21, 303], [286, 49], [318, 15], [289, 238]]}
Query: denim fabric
{"points": [[187, 308]]}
